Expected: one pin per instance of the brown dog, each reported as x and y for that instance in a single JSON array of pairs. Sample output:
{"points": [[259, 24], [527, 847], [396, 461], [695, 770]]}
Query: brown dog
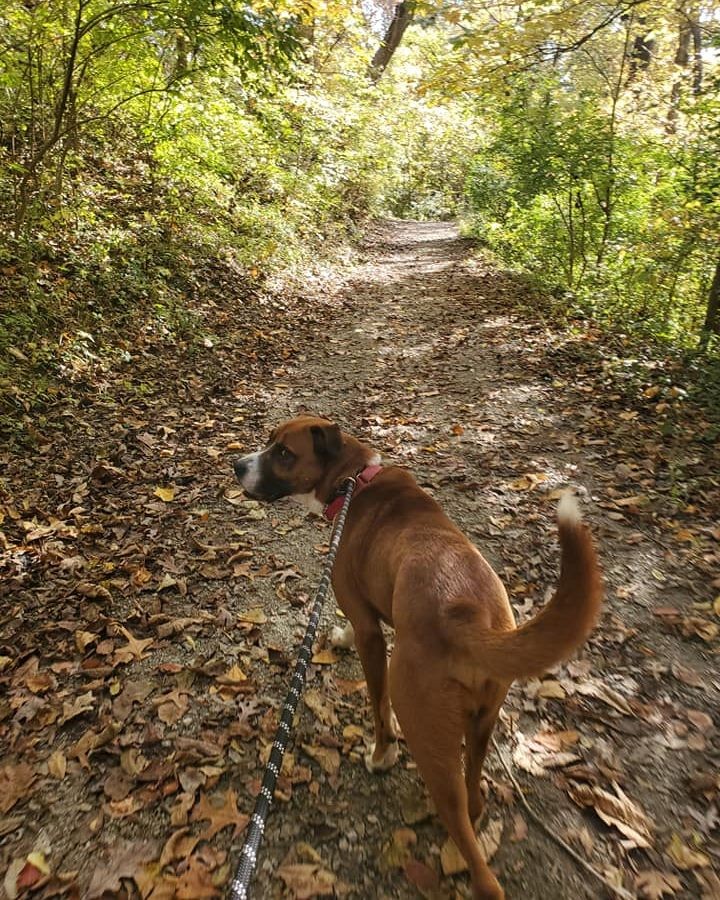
{"points": [[457, 650]]}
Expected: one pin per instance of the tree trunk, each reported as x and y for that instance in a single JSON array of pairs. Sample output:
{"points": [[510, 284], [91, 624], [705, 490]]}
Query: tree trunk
{"points": [[682, 59], [697, 55], [402, 17], [712, 315]]}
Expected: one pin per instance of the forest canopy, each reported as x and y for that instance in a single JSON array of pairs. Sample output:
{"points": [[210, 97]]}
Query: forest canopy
{"points": [[577, 141]]}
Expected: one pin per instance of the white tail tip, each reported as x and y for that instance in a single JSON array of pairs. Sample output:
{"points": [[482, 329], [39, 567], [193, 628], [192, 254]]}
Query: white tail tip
{"points": [[568, 509]]}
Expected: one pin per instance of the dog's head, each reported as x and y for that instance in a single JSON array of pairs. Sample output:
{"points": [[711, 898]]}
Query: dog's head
{"points": [[304, 458]]}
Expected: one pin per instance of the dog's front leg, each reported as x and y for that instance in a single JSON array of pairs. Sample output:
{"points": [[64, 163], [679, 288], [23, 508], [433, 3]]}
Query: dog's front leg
{"points": [[370, 643]]}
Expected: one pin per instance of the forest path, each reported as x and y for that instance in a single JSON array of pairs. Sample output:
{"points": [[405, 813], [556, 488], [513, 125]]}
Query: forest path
{"points": [[144, 587]]}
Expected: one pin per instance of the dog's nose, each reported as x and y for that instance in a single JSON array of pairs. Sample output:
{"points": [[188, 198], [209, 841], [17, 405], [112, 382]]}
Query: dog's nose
{"points": [[240, 468]]}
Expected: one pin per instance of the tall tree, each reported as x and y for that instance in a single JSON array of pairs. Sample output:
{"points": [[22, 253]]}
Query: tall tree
{"points": [[402, 17]]}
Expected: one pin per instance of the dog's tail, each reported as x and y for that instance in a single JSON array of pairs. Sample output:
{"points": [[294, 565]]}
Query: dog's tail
{"points": [[559, 629]]}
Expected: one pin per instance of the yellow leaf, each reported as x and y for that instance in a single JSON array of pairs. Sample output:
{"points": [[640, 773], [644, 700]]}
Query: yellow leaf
{"points": [[255, 616], [166, 494], [83, 639], [551, 690], [37, 859], [324, 658], [528, 481], [451, 859], [57, 765], [234, 675], [683, 856]]}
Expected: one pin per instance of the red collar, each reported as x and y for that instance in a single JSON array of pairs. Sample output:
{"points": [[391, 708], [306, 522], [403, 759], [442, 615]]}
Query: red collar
{"points": [[362, 480]]}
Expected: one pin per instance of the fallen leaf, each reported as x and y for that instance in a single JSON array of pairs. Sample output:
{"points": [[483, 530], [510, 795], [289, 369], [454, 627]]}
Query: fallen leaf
{"points": [[616, 810], [324, 658], [653, 885], [132, 692], [607, 695], [683, 856], [396, 853], [179, 845], [327, 757], [306, 880], [528, 481], [489, 838], [551, 690], [123, 861], [221, 811], [135, 648], [166, 494], [520, 829], [81, 704], [234, 675], [57, 764], [15, 780], [254, 616]]}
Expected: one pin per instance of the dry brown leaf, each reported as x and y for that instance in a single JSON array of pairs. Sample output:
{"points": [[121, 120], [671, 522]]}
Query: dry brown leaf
{"points": [[653, 885], [709, 884], [233, 676], [306, 880], [535, 758], [179, 845], [451, 860], [135, 648], [324, 658], [617, 810], [320, 706], [602, 692], [520, 829], [551, 690], [124, 860], [700, 720], [219, 814], [197, 881], [132, 692], [15, 780], [81, 704], [57, 764], [489, 838], [327, 757], [396, 853], [528, 481], [254, 616]]}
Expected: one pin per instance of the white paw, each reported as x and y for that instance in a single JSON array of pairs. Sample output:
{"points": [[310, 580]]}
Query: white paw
{"points": [[342, 638], [386, 761]]}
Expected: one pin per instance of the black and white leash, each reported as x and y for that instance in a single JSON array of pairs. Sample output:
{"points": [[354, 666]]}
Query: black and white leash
{"points": [[240, 886]]}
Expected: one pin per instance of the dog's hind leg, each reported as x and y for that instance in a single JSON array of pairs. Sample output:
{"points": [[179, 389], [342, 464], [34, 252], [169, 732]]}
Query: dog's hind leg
{"points": [[432, 719], [478, 729]]}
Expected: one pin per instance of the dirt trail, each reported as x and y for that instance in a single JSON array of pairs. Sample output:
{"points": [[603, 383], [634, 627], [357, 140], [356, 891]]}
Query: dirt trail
{"points": [[441, 362]]}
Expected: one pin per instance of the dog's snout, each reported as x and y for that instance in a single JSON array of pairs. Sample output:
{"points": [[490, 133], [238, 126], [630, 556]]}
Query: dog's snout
{"points": [[240, 467]]}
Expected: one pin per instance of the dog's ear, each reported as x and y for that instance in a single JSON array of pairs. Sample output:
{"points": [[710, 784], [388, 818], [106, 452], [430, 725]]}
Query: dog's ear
{"points": [[327, 440]]}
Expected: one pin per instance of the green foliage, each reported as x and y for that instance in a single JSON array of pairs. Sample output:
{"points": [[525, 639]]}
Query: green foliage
{"points": [[603, 182], [143, 142]]}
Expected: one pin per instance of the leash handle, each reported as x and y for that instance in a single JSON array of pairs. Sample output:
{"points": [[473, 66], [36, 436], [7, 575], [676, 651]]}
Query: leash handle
{"points": [[240, 885]]}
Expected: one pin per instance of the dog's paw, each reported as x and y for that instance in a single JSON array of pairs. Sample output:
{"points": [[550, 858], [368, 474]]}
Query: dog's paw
{"points": [[342, 638], [385, 762]]}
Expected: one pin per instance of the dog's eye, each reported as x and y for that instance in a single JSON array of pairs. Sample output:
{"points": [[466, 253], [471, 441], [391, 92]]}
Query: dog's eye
{"points": [[284, 454]]}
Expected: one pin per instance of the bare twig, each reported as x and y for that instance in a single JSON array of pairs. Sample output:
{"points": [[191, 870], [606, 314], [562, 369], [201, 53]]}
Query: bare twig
{"points": [[580, 860]]}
